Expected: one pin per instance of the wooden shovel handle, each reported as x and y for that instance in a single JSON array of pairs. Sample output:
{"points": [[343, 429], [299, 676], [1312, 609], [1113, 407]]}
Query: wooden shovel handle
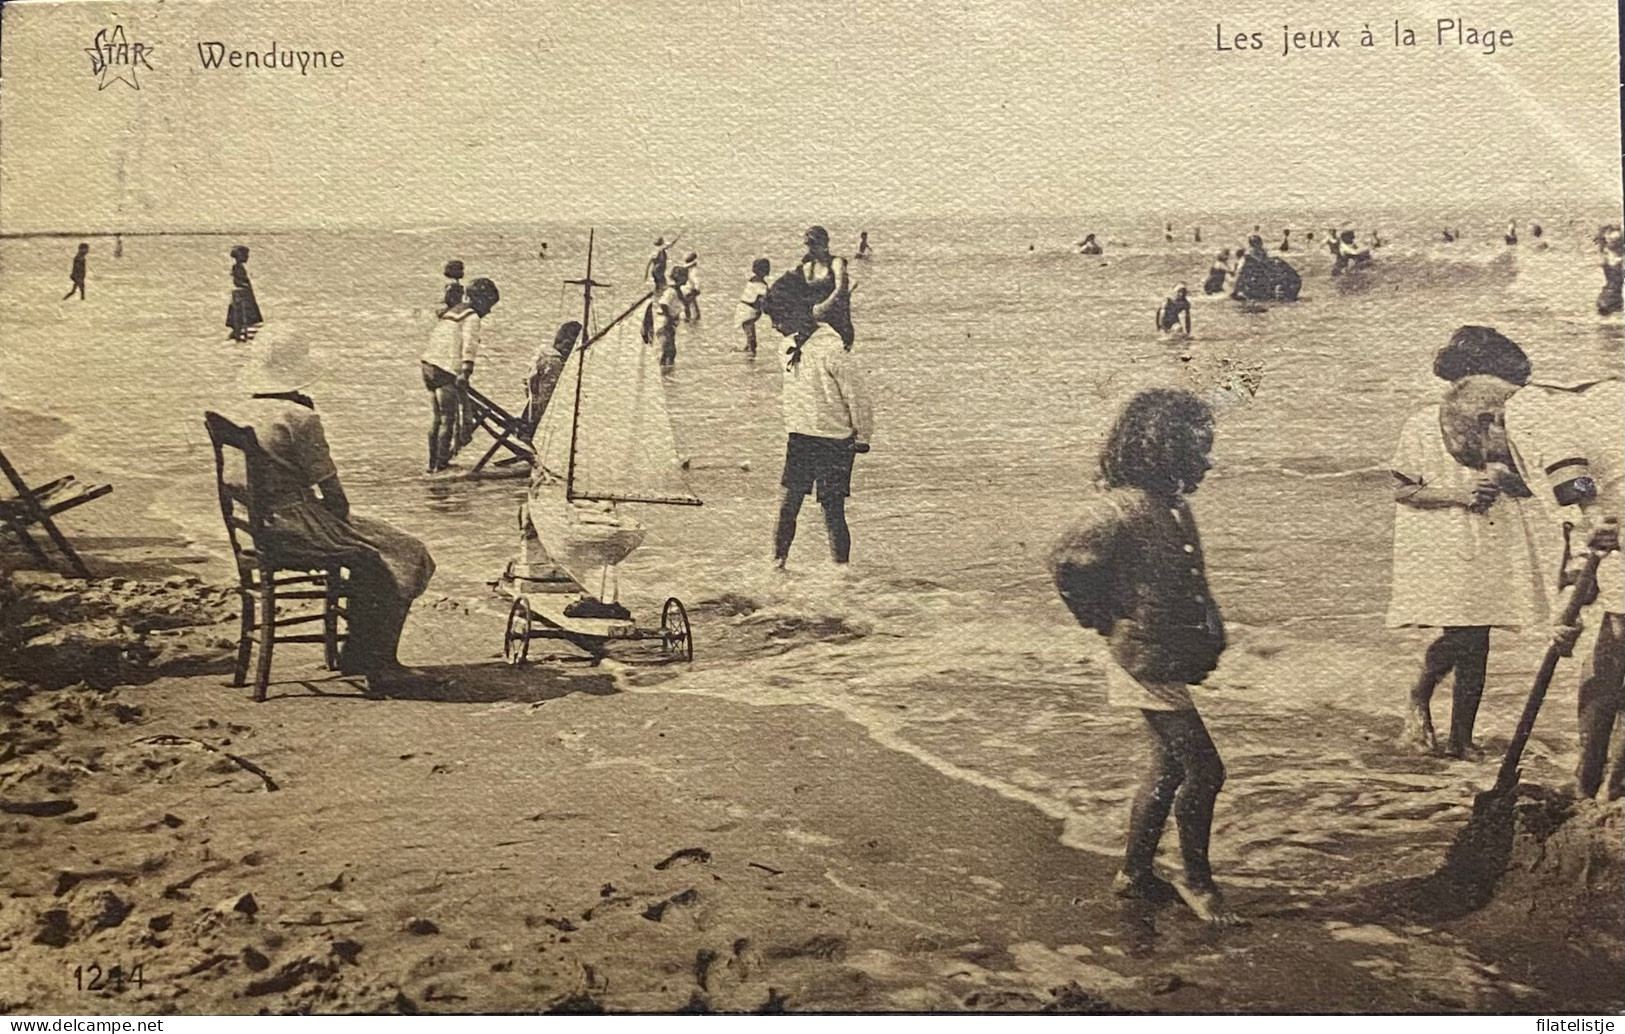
{"points": [[1584, 586]]}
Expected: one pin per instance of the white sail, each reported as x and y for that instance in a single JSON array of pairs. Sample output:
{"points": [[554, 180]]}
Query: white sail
{"points": [[581, 537], [623, 446], [552, 437], [605, 438]]}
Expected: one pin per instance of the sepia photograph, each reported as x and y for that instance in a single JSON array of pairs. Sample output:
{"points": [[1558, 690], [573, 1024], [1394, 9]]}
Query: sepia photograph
{"points": [[952, 507]]}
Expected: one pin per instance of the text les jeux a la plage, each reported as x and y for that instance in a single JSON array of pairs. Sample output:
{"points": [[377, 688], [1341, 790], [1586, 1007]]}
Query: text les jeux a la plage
{"points": [[1455, 33]]}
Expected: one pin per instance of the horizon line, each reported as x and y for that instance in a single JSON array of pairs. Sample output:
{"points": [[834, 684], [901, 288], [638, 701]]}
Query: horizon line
{"points": [[1317, 210]]}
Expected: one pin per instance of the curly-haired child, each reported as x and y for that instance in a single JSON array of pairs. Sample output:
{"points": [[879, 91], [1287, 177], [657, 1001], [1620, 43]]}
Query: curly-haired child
{"points": [[1130, 567]]}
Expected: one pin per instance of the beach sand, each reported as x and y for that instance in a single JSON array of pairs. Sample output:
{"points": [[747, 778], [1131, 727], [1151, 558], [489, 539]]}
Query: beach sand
{"points": [[570, 838], [904, 790]]}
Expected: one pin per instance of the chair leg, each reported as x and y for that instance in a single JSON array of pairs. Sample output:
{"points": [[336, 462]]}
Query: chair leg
{"points": [[330, 619], [20, 529], [262, 673], [245, 642], [479, 465]]}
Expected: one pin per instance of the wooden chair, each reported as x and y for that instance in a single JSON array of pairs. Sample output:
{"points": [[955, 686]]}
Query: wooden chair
{"points": [[39, 505], [267, 578], [507, 430]]}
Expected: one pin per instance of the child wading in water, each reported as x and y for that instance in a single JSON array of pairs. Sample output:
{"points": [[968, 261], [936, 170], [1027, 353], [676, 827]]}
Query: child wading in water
{"points": [[454, 286], [749, 309], [1131, 569], [1463, 560]]}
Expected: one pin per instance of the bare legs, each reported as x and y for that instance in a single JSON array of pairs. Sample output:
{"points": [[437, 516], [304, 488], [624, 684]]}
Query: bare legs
{"points": [[840, 536], [1185, 777], [1602, 697], [1466, 651], [448, 405], [784, 533]]}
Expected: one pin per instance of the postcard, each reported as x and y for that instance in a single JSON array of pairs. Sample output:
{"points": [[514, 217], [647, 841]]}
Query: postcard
{"points": [[966, 506]]}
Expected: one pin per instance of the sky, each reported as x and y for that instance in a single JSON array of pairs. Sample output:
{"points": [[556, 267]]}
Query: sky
{"points": [[501, 111]]}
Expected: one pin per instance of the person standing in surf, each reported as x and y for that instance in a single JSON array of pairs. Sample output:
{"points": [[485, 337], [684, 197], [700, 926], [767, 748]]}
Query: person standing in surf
{"points": [[1565, 438], [827, 416], [454, 288], [447, 364], [243, 314], [655, 270], [76, 274], [863, 246], [1463, 560], [544, 375], [1130, 568], [690, 291], [664, 313], [828, 275], [749, 310]]}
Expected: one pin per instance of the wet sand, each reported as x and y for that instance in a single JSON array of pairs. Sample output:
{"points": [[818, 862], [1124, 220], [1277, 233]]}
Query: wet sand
{"points": [[542, 838]]}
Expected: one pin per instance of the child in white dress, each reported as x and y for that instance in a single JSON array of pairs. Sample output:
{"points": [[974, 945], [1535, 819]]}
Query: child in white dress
{"points": [[1463, 559]]}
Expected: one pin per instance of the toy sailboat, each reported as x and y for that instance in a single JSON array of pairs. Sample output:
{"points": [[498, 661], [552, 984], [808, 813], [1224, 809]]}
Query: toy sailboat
{"points": [[606, 440]]}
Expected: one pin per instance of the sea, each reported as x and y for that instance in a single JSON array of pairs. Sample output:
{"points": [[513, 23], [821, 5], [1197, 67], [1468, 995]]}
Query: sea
{"points": [[997, 357]]}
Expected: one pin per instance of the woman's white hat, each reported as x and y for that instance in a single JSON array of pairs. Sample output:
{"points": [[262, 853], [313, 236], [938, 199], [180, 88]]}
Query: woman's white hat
{"points": [[278, 360]]}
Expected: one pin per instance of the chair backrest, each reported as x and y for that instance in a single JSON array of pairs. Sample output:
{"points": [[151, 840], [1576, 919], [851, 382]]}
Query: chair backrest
{"points": [[240, 504]]}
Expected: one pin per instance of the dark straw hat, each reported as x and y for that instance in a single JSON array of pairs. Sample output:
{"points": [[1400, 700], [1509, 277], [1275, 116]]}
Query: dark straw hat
{"points": [[1482, 350]]}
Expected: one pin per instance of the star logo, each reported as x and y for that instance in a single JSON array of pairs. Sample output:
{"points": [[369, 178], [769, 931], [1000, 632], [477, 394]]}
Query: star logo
{"points": [[114, 59]]}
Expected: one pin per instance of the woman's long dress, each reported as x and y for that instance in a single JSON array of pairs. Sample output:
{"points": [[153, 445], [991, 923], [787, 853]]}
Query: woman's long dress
{"points": [[388, 567], [244, 311]]}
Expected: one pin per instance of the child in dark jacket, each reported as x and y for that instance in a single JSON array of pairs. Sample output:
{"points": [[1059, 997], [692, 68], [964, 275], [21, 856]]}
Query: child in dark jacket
{"points": [[1131, 568]]}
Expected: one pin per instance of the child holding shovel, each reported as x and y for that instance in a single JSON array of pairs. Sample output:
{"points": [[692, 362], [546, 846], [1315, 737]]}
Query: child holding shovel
{"points": [[1566, 439]]}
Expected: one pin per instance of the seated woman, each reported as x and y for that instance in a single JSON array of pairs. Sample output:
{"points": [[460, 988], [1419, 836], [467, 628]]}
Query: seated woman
{"points": [[310, 514]]}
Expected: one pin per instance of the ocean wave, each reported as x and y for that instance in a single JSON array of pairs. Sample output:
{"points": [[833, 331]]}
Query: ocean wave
{"points": [[1378, 471]]}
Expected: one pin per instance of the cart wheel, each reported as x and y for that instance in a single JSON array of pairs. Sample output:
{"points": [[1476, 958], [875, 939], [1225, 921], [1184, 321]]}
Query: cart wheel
{"points": [[675, 638], [516, 641]]}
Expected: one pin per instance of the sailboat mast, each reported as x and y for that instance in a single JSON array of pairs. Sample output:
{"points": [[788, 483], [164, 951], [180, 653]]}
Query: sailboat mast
{"points": [[581, 360]]}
